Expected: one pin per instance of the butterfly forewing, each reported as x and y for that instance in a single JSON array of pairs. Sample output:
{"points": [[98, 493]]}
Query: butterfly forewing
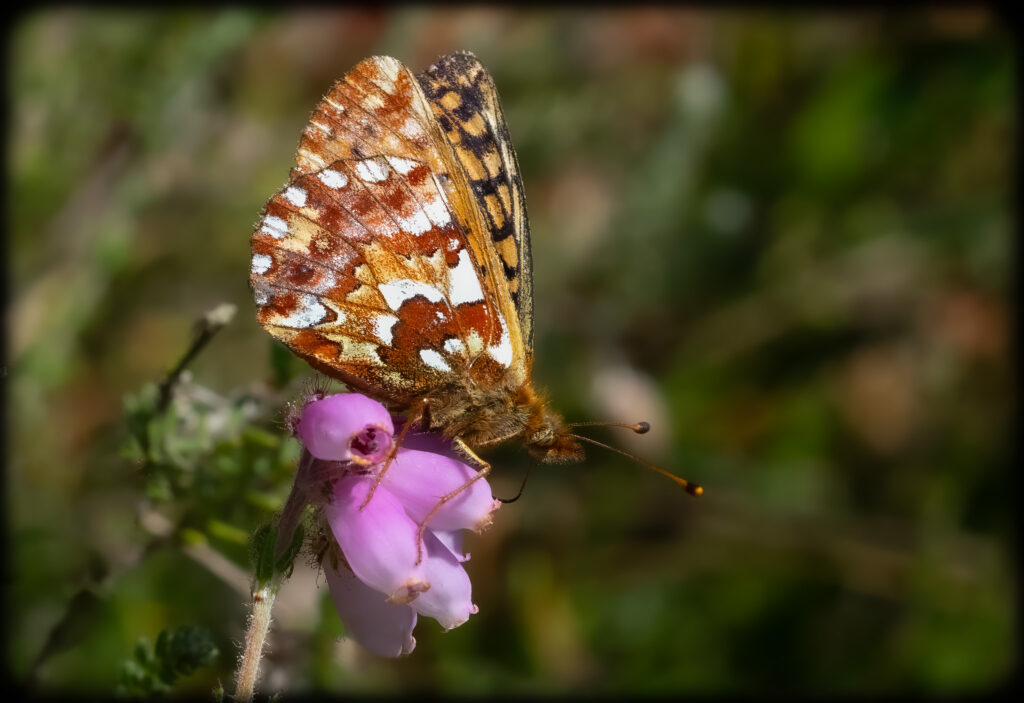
{"points": [[465, 102], [375, 263]]}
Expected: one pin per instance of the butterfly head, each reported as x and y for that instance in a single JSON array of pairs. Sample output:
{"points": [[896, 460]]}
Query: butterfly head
{"points": [[545, 434], [552, 443]]}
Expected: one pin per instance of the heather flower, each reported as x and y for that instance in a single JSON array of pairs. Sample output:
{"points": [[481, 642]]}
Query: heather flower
{"points": [[386, 580], [346, 427]]}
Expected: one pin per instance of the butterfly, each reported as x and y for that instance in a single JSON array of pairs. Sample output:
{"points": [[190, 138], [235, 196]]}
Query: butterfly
{"points": [[397, 258]]}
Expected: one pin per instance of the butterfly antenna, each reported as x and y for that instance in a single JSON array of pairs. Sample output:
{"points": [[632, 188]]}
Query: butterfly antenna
{"points": [[693, 489], [506, 501], [638, 427]]}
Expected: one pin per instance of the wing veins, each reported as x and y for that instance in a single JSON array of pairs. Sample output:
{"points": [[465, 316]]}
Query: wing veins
{"points": [[413, 147], [415, 259], [320, 262], [448, 273], [353, 135]]}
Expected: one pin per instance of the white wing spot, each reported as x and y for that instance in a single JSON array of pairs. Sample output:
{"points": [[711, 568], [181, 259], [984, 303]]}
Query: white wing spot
{"points": [[437, 211], [372, 101], [434, 360], [463, 282], [383, 327], [333, 179], [296, 196], [274, 226], [474, 343], [372, 171], [260, 263], [308, 313], [454, 346], [323, 128], [399, 290], [261, 296], [403, 166], [417, 224], [411, 128], [502, 351]]}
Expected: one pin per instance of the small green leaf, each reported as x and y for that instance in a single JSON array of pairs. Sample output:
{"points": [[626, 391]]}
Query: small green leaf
{"points": [[263, 554], [178, 652], [183, 650], [284, 563]]}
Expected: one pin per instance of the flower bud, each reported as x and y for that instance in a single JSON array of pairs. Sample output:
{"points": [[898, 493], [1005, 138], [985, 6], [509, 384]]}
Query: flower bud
{"points": [[346, 427]]}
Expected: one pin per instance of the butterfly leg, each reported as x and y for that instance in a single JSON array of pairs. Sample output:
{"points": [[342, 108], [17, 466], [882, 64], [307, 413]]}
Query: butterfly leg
{"points": [[484, 469], [423, 413]]}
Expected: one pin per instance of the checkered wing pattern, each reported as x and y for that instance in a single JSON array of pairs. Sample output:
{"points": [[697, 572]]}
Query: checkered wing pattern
{"points": [[377, 262]]}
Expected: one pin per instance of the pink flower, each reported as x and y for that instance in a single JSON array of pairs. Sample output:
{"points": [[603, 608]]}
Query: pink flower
{"points": [[346, 427], [383, 587]]}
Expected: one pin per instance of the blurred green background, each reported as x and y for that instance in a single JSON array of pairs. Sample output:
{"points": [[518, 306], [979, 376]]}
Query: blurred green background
{"points": [[784, 238]]}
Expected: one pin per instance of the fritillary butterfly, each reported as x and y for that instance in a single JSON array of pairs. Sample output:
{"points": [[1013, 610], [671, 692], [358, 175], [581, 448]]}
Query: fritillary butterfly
{"points": [[397, 258]]}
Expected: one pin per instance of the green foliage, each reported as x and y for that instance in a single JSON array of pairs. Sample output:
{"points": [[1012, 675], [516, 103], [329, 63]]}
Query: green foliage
{"points": [[201, 453], [154, 670]]}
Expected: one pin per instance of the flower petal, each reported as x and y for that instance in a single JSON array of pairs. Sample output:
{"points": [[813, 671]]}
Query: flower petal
{"points": [[346, 427], [419, 478], [379, 541], [449, 599], [383, 628], [452, 539]]}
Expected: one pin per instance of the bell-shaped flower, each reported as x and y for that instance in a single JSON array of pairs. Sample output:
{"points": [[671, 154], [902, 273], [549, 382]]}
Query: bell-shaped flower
{"points": [[384, 628], [346, 427], [378, 539], [386, 577], [425, 471]]}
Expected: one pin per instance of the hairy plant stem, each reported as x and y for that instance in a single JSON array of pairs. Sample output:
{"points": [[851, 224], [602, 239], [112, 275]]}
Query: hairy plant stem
{"points": [[259, 625]]}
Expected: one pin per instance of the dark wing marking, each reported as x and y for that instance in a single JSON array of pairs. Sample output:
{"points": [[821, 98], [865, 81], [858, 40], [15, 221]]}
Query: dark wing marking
{"points": [[466, 106]]}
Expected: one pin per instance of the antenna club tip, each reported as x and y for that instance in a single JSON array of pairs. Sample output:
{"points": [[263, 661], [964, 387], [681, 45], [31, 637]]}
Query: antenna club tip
{"points": [[642, 427], [695, 490]]}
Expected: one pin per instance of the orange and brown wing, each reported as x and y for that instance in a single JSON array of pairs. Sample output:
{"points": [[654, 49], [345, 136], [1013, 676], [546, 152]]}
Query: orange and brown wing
{"points": [[466, 105], [366, 264]]}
